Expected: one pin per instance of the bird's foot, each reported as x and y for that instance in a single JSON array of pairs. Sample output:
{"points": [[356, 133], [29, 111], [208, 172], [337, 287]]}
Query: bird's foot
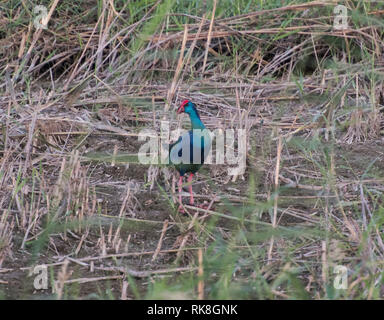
{"points": [[181, 209], [205, 205]]}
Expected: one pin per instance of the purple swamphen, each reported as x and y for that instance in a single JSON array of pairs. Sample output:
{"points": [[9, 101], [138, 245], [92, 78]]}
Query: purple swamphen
{"points": [[196, 145]]}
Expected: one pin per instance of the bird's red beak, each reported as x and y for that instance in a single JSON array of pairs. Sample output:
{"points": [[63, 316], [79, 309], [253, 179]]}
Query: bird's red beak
{"points": [[181, 108]]}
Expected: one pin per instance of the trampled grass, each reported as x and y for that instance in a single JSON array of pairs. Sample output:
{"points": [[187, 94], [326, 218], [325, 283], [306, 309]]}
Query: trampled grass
{"points": [[307, 212]]}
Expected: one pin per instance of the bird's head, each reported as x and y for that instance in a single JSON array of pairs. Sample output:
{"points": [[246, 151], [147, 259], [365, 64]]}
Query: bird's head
{"points": [[187, 107]]}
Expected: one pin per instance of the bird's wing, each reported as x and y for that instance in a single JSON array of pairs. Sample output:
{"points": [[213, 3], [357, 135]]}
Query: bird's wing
{"points": [[183, 142], [171, 145], [197, 148]]}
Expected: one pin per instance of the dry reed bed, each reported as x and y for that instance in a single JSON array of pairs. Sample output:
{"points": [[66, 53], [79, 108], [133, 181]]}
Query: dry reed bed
{"points": [[94, 98]]}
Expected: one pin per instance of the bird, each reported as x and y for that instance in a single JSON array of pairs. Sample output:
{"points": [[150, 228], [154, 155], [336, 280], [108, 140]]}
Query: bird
{"points": [[196, 143]]}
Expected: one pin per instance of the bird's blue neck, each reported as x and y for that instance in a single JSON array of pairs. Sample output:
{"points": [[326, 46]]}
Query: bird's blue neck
{"points": [[196, 121]]}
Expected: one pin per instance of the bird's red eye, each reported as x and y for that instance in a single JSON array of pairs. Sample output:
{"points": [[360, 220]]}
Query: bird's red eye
{"points": [[184, 103]]}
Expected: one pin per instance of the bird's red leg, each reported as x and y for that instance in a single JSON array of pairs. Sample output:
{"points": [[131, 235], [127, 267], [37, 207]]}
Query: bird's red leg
{"points": [[190, 189]]}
